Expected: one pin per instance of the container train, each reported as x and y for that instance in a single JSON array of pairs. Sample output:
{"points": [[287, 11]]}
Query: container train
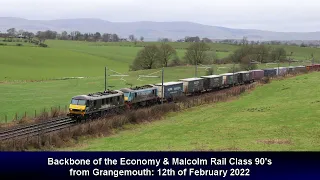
{"points": [[101, 103]]}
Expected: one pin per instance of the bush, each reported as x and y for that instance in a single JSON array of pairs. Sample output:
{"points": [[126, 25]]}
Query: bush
{"points": [[19, 44], [3, 44], [265, 80], [43, 45], [209, 72]]}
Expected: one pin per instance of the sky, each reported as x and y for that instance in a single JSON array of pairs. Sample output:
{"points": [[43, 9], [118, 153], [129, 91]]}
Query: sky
{"points": [[273, 15]]}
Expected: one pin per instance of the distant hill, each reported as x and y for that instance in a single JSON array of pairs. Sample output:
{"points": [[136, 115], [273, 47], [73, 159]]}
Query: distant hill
{"points": [[151, 30]]}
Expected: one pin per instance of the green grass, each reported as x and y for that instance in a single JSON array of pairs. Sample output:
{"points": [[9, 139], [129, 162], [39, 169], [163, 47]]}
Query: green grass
{"points": [[84, 59], [280, 116]]}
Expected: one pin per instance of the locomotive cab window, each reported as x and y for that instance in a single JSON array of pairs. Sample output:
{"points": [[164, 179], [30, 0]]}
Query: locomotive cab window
{"points": [[111, 99], [135, 94], [153, 91], [118, 98], [103, 101], [95, 102], [78, 102]]}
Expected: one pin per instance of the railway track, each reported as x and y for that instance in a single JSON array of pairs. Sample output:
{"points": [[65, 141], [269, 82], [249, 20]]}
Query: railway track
{"points": [[36, 129]]}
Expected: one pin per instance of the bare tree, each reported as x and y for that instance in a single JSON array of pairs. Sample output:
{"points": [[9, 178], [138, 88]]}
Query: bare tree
{"points": [[196, 53], [166, 53], [132, 38]]}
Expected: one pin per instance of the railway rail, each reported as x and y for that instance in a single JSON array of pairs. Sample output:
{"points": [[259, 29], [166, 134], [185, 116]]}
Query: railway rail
{"points": [[36, 129]]}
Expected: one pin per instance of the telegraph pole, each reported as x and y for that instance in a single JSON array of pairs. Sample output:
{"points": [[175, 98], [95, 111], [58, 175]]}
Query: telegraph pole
{"points": [[234, 64], [196, 70], [162, 93], [105, 78], [278, 67]]}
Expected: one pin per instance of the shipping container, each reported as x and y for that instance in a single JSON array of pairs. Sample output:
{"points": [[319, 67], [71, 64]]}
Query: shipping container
{"points": [[281, 71], [257, 74], [192, 85], [301, 69], [212, 81], [317, 67], [230, 78], [244, 77], [291, 69], [270, 72], [171, 90], [310, 67]]}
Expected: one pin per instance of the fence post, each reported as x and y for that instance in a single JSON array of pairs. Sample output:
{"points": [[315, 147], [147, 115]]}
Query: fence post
{"points": [[35, 113], [16, 116], [25, 114], [5, 118]]}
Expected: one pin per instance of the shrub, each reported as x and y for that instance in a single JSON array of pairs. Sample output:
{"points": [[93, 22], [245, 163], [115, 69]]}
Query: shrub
{"points": [[43, 45], [3, 44], [19, 44], [265, 80]]}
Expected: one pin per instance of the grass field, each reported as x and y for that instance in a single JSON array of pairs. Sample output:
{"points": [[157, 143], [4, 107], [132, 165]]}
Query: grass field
{"points": [[282, 116], [84, 59]]}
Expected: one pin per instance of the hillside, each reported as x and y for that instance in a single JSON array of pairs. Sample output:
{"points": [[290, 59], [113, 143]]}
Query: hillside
{"points": [[281, 116], [150, 30]]}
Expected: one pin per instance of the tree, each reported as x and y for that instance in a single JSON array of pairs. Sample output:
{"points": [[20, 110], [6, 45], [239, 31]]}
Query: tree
{"points": [[244, 41], [147, 58], [97, 36], [166, 52], [196, 53], [246, 63], [11, 31], [206, 40], [141, 38], [263, 53], [211, 57], [115, 38], [132, 38], [278, 54]]}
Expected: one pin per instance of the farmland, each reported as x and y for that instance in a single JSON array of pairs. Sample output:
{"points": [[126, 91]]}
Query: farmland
{"points": [[20, 65], [282, 116]]}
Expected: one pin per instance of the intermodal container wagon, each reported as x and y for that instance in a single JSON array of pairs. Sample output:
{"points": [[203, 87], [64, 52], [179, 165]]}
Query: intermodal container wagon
{"points": [[270, 72], [291, 69], [281, 71], [257, 74], [230, 78], [212, 81], [244, 77], [171, 90], [301, 69], [192, 85]]}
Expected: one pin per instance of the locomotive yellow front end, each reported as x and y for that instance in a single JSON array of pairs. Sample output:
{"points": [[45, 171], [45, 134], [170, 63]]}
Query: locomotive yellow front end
{"points": [[77, 108]]}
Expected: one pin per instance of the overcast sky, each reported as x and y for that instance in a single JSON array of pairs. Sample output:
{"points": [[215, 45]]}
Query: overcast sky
{"points": [[274, 15]]}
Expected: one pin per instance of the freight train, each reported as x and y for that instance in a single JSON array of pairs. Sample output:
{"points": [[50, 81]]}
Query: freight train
{"points": [[101, 103]]}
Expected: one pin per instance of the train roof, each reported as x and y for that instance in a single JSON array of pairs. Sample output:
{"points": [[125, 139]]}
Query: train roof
{"points": [[168, 83], [211, 76], [227, 74], [140, 88], [269, 69], [190, 79], [257, 70], [243, 72], [98, 95]]}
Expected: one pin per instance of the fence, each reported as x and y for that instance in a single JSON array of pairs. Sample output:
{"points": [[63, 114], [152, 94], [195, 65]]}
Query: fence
{"points": [[36, 115]]}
